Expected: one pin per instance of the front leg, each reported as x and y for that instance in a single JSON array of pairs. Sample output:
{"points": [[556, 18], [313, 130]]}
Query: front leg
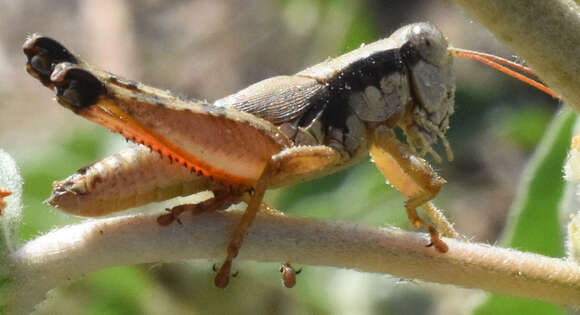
{"points": [[413, 177]]}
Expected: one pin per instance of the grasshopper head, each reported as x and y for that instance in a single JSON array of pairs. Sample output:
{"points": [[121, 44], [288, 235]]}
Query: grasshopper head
{"points": [[425, 54]]}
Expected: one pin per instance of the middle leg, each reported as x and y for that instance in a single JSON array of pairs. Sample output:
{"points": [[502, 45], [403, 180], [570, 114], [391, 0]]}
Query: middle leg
{"points": [[237, 237], [292, 162]]}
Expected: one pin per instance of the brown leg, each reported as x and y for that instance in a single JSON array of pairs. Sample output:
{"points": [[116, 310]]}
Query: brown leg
{"points": [[221, 200], [411, 207], [289, 163], [411, 175], [237, 237]]}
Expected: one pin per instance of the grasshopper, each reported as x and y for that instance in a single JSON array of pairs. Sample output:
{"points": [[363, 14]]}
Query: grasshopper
{"points": [[277, 132]]}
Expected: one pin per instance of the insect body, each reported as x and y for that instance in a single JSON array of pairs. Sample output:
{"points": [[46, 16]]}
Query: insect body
{"points": [[276, 132], [289, 275]]}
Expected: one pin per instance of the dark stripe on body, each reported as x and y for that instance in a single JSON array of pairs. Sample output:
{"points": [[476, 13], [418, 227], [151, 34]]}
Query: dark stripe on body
{"points": [[356, 77]]}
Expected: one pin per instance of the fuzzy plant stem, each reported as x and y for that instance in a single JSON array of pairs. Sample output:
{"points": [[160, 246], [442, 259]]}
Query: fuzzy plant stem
{"points": [[545, 33], [71, 252]]}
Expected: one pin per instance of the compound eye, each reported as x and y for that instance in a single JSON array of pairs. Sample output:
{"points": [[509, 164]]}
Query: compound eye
{"points": [[430, 43]]}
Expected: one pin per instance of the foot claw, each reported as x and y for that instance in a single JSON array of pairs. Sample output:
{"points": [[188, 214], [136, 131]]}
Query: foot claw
{"points": [[223, 276], [436, 241], [441, 246]]}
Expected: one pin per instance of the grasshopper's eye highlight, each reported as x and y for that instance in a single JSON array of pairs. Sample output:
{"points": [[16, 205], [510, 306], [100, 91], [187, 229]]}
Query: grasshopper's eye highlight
{"points": [[429, 43]]}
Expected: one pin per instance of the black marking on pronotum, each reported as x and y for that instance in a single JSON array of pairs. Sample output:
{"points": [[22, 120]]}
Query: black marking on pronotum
{"points": [[409, 54], [367, 71], [332, 108]]}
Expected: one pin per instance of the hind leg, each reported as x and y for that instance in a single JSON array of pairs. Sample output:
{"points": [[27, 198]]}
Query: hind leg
{"points": [[237, 237]]}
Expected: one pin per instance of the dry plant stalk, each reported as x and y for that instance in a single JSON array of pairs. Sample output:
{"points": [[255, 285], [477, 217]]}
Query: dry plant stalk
{"points": [[68, 253]]}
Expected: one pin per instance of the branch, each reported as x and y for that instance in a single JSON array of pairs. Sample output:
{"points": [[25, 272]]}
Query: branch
{"points": [[70, 252], [546, 33]]}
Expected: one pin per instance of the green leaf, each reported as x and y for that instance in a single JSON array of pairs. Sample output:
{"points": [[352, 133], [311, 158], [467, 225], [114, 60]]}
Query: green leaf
{"points": [[119, 290], [534, 224], [500, 304]]}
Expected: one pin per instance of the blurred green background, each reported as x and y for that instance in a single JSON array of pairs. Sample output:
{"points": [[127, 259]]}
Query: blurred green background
{"points": [[208, 49]]}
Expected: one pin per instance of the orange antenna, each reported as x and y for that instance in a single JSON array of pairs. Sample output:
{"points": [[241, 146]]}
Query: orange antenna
{"points": [[496, 63]]}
